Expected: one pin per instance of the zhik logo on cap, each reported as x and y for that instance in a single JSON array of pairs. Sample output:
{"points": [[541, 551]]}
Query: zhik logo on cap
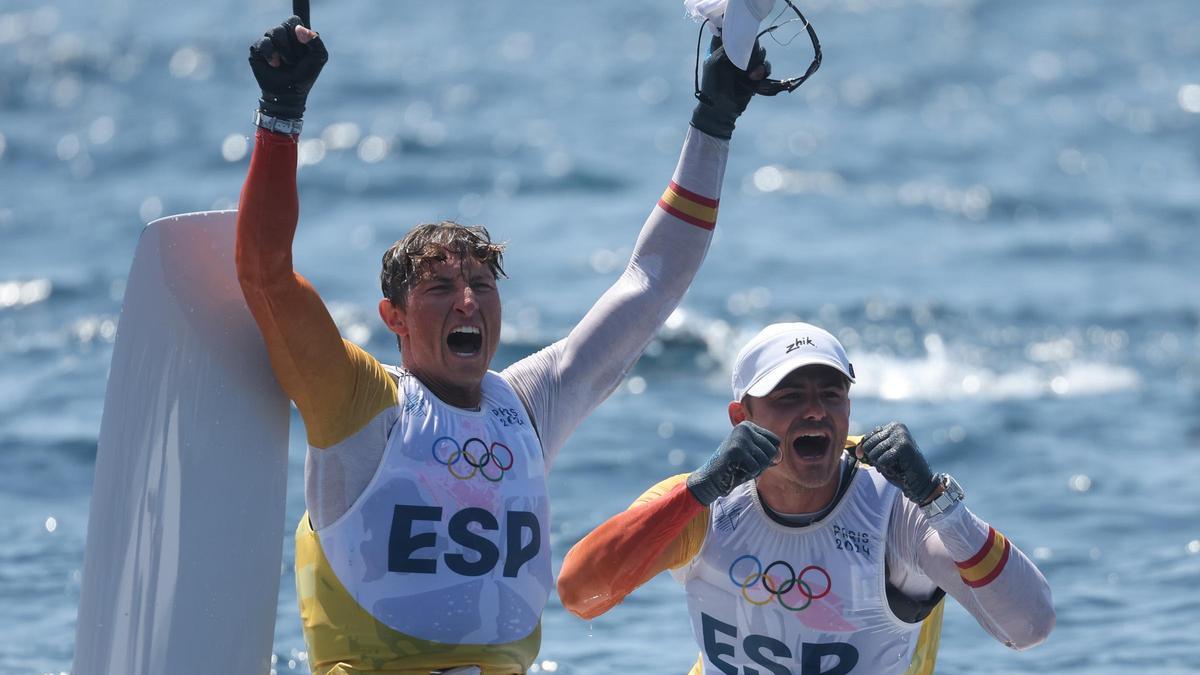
{"points": [[781, 348], [800, 342]]}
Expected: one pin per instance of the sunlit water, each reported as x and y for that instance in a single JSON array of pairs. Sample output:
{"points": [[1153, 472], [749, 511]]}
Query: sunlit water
{"points": [[993, 204]]}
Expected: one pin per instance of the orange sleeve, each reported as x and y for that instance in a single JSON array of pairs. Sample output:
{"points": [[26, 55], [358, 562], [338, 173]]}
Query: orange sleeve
{"points": [[307, 354], [662, 530]]}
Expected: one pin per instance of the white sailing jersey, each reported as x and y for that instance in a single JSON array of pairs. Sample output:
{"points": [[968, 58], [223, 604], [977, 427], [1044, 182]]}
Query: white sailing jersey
{"points": [[768, 598], [450, 540]]}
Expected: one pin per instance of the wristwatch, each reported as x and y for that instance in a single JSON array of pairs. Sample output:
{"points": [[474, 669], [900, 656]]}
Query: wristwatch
{"points": [[952, 493], [277, 124]]}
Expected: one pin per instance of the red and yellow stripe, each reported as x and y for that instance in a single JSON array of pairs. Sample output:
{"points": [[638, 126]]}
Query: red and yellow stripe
{"points": [[689, 207], [983, 567]]}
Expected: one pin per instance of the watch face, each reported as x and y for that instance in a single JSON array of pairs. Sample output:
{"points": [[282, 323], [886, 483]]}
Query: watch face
{"points": [[950, 494], [953, 488]]}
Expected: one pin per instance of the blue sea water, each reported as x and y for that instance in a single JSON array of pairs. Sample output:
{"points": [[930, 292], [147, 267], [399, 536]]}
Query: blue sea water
{"points": [[994, 205]]}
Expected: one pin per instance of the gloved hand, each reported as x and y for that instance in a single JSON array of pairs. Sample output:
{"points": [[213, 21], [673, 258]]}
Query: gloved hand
{"points": [[746, 452], [286, 62], [894, 453], [725, 89]]}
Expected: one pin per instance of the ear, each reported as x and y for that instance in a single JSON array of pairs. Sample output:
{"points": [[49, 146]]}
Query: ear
{"points": [[737, 413], [393, 317]]}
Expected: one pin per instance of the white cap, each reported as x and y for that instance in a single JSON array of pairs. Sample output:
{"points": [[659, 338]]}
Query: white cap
{"points": [[781, 348], [740, 28], [738, 21]]}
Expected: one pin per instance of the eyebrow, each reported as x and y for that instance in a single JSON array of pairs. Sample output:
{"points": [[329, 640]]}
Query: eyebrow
{"points": [[437, 279], [478, 275]]}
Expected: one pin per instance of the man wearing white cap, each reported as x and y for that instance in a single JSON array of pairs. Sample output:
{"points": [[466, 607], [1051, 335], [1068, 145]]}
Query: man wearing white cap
{"points": [[804, 551]]}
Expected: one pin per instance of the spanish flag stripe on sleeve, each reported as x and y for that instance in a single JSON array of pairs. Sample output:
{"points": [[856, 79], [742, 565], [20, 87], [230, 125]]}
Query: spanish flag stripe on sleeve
{"points": [[699, 199], [689, 206], [978, 557], [983, 568]]}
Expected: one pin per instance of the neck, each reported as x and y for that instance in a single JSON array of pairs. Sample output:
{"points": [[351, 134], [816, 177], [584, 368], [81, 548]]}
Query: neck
{"points": [[469, 397]]}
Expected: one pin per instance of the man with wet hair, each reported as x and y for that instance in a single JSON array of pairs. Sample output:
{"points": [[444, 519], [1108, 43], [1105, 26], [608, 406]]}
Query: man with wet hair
{"points": [[408, 260], [410, 257], [425, 547], [803, 550]]}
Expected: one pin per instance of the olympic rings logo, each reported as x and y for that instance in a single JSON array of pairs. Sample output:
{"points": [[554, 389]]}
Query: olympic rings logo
{"points": [[476, 455], [791, 589]]}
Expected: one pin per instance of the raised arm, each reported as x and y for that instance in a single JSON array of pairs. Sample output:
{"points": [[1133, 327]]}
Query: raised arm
{"points": [[563, 383], [312, 363]]}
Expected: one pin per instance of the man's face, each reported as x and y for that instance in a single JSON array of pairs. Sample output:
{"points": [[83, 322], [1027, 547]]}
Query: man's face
{"points": [[810, 412], [449, 327]]}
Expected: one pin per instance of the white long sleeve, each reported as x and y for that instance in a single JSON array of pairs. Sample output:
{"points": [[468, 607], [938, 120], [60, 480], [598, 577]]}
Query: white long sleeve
{"points": [[564, 382], [977, 565]]}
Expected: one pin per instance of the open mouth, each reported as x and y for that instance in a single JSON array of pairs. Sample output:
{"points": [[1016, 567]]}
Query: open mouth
{"points": [[465, 341], [810, 445]]}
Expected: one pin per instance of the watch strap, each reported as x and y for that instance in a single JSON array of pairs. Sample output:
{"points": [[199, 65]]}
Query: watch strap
{"points": [[277, 124], [952, 493]]}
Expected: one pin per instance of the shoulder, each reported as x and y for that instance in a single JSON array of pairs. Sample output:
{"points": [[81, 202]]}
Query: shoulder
{"points": [[501, 392], [374, 376], [660, 489], [868, 477], [373, 389], [494, 380]]}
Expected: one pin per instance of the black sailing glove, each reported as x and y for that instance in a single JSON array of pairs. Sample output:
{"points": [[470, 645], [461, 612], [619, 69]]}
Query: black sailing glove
{"points": [[286, 69], [747, 451], [894, 453], [726, 90]]}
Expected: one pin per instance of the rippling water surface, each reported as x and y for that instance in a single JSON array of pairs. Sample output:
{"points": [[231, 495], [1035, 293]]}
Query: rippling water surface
{"points": [[994, 204]]}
